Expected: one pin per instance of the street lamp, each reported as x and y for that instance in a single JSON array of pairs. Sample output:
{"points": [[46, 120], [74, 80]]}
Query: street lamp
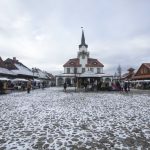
{"points": [[75, 76], [33, 73]]}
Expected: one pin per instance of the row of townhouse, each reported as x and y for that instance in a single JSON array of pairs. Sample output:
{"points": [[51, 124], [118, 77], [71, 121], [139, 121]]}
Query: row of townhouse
{"points": [[13, 69]]}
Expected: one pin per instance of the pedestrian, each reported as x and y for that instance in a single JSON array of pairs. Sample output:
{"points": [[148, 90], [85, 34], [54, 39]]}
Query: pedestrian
{"points": [[121, 84], [43, 85], [1, 87], [85, 85], [28, 86], [125, 86], [65, 86], [128, 86], [39, 85]]}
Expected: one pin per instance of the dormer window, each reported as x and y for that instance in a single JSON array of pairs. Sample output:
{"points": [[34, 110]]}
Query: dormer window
{"points": [[71, 63], [95, 63]]}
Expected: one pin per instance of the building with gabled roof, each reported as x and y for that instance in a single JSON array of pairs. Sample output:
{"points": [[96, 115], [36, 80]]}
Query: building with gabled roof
{"points": [[4, 72], [75, 67], [128, 76], [143, 73], [20, 70]]}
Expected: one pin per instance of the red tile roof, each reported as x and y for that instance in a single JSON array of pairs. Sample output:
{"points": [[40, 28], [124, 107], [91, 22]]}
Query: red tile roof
{"points": [[141, 77], [147, 65], [75, 63], [72, 63], [94, 63]]}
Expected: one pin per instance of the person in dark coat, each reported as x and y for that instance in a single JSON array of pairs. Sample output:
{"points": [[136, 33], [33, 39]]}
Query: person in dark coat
{"points": [[29, 86], [1, 87], [125, 86], [65, 86], [85, 85]]}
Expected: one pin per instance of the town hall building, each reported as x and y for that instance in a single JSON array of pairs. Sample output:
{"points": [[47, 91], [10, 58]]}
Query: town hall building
{"points": [[81, 67]]}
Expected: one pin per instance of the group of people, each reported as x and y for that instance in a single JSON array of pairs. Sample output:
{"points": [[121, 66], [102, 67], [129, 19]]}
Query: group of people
{"points": [[6, 86], [103, 86]]}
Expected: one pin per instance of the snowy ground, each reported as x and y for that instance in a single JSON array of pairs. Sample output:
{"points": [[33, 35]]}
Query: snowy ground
{"points": [[51, 119]]}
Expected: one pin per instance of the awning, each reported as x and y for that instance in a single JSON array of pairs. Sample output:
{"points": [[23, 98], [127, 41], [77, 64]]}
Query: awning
{"points": [[138, 81], [90, 74], [19, 79]]}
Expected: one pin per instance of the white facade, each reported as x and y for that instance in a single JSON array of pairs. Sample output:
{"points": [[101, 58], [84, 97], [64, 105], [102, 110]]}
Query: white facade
{"points": [[79, 65], [79, 69]]}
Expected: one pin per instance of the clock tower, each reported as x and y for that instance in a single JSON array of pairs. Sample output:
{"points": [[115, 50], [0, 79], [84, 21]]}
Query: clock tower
{"points": [[83, 54]]}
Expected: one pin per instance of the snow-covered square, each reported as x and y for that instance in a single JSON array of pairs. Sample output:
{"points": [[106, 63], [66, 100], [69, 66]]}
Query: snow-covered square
{"points": [[54, 120]]}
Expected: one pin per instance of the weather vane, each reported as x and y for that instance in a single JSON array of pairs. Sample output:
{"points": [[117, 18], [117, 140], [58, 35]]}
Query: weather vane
{"points": [[82, 28]]}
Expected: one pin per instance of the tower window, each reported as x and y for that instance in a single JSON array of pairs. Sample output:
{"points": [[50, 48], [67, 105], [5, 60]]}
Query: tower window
{"points": [[83, 56]]}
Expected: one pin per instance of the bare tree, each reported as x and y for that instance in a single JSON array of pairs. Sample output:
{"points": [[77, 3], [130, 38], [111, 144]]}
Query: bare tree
{"points": [[119, 72]]}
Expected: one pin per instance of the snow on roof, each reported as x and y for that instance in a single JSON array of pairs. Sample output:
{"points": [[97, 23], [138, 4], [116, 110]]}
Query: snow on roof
{"points": [[85, 74], [6, 71], [91, 74], [41, 74], [22, 70], [4, 79], [88, 74], [66, 75], [36, 80]]}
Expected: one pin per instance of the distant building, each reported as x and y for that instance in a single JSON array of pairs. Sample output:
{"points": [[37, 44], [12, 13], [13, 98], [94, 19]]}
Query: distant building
{"points": [[4, 72], [143, 73], [128, 76], [43, 76], [20, 70], [82, 65]]}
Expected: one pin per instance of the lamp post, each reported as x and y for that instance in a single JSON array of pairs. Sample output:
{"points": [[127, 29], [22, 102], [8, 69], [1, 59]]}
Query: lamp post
{"points": [[75, 76], [33, 73]]}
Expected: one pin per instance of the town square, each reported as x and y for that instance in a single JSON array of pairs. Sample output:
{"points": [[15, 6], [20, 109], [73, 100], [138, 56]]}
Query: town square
{"points": [[52, 119], [74, 75]]}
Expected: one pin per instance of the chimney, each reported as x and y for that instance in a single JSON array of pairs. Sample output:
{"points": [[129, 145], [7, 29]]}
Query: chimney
{"points": [[14, 59], [131, 70]]}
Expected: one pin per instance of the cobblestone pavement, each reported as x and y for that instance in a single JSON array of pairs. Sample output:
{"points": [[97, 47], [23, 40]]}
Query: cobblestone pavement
{"points": [[54, 120]]}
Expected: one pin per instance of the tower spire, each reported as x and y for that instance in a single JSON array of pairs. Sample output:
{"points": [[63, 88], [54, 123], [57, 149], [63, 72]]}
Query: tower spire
{"points": [[83, 40]]}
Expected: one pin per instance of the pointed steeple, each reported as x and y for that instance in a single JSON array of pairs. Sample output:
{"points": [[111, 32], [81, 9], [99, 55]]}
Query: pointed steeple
{"points": [[83, 41]]}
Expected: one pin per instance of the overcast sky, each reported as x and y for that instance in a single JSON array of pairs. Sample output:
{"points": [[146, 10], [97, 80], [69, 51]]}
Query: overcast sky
{"points": [[46, 33]]}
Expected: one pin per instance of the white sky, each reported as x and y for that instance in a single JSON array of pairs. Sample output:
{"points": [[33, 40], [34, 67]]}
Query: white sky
{"points": [[46, 33]]}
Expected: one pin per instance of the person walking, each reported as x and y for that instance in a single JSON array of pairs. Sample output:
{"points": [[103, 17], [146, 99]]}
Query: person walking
{"points": [[1, 87], [125, 86], [65, 86], [28, 86]]}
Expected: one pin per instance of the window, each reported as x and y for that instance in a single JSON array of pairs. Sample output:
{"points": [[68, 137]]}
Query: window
{"points": [[83, 56], [92, 69], [68, 70], [142, 71], [145, 71], [98, 70], [75, 70], [83, 70]]}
